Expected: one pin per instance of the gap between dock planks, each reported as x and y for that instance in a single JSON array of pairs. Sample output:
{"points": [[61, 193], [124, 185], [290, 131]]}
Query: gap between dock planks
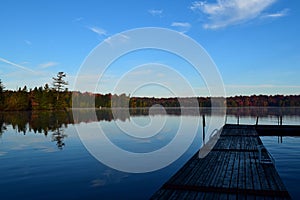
{"points": [[230, 171]]}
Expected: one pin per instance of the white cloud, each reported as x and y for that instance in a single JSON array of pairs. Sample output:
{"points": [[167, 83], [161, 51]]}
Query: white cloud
{"points": [[15, 65], [99, 31], [48, 64], [281, 13], [224, 13], [117, 39], [156, 12], [182, 26]]}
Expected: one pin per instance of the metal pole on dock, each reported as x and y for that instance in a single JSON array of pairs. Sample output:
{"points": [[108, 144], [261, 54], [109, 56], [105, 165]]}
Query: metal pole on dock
{"points": [[256, 121], [238, 120], [203, 128], [280, 120]]}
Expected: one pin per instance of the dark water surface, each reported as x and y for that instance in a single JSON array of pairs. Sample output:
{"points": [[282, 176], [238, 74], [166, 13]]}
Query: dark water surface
{"points": [[42, 155]]}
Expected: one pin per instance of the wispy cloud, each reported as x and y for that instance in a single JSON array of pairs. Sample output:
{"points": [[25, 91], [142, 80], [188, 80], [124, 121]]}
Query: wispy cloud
{"points": [[281, 13], [78, 19], [182, 26], [28, 42], [16, 65], [99, 31], [155, 12], [48, 64], [224, 13], [117, 39]]}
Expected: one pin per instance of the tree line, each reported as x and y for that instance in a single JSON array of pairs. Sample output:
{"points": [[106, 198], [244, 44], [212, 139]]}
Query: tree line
{"points": [[39, 98], [236, 101], [264, 101], [58, 97]]}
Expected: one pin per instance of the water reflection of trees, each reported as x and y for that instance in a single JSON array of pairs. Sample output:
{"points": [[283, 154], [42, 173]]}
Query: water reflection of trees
{"points": [[264, 111], [2, 125], [46, 122], [49, 121], [38, 122], [58, 137]]}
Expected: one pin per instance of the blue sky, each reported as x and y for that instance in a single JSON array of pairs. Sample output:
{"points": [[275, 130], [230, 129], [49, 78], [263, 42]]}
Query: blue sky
{"points": [[254, 43]]}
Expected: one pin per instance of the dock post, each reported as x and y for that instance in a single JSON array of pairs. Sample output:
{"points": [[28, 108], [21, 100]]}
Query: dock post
{"points": [[203, 128], [280, 120], [238, 120], [256, 121]]}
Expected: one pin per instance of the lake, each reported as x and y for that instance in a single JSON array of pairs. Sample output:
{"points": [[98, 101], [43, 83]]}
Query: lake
{"points": [[121, 154]]}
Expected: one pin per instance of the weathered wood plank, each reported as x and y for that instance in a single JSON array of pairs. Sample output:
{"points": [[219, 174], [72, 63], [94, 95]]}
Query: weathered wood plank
{"points": [[248, 172], [242, 171], [255, 178]]}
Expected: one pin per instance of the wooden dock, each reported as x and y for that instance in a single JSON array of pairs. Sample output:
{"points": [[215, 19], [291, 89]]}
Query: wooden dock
{"points": [[238, 167]]}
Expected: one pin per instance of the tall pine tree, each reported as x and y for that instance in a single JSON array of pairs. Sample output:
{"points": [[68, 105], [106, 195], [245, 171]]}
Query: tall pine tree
{"points": [[59, 85]]}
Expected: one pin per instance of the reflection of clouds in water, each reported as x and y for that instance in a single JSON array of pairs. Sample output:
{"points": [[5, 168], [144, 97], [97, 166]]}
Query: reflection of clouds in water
{"points": [[41, 148], [19, 147], [142, 140], [162, 137], [108, 177], [164, 134], [97, 183], [33, 142], [2, 153], [48, 149]]}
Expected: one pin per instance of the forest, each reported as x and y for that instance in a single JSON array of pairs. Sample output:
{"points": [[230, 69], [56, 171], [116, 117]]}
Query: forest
{"points": [[58, 97]]}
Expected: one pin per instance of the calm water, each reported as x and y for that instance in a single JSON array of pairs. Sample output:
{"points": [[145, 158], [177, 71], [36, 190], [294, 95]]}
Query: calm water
{"points": [[42, 155]]}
